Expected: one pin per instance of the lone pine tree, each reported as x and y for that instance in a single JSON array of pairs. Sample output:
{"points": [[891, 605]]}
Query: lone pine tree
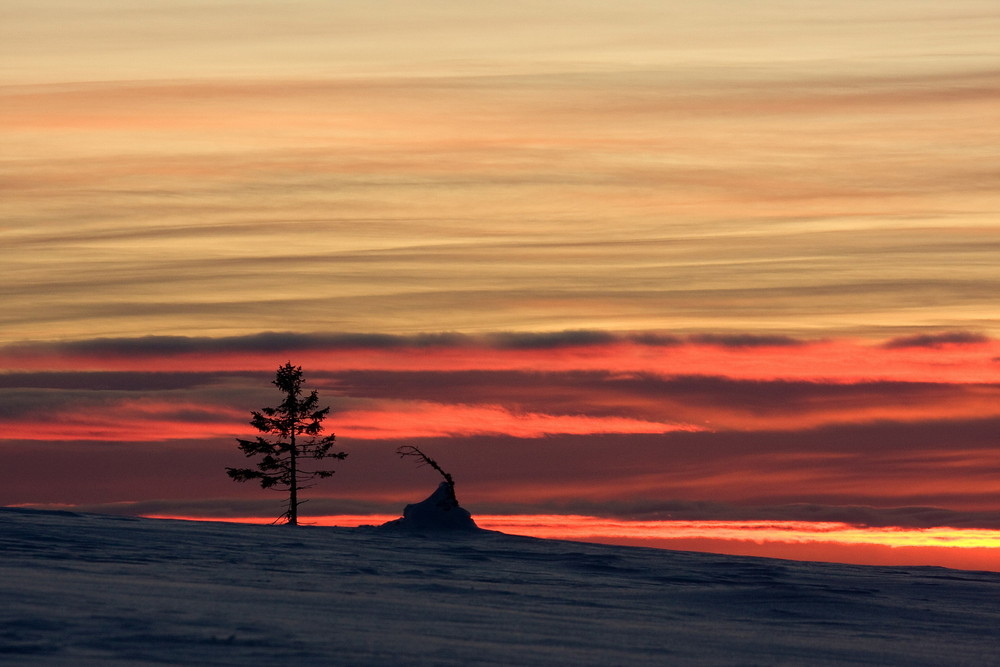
{"points": [[294, 428]]}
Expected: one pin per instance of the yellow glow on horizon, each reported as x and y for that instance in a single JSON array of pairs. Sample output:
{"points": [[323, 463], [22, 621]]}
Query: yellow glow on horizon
{"points": [[582, 527], [938, 544]]}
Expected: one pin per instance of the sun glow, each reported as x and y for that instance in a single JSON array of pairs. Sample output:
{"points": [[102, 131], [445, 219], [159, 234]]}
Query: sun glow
{"points": [[964, 548], [796, 532]]}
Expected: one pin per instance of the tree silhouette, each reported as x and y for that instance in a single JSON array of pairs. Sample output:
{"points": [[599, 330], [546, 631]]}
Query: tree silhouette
{"points": [[280, 465]]}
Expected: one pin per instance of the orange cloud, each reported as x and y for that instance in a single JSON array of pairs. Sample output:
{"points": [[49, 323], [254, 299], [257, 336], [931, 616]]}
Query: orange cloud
{"points": [[129, 420], [395, 419]]}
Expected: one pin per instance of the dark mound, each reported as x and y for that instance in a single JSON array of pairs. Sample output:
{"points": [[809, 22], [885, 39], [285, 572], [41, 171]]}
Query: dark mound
{"points": [[439, 512]]}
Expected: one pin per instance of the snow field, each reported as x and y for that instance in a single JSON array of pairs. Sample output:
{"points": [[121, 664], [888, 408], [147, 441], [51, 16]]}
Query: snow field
{"points": [[88, 589]]}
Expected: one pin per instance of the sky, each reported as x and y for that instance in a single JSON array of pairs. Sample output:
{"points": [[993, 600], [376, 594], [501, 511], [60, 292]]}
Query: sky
{"points": [[640, 260]]}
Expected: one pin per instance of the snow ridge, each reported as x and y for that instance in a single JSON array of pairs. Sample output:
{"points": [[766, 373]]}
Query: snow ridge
{"points": [[440, 511]]}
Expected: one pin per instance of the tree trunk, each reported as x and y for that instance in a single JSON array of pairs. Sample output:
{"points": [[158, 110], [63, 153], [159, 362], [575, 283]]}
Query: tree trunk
{"points": [[293, 491]]}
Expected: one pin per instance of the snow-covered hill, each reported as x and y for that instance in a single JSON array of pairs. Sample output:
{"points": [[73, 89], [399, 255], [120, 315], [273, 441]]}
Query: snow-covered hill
{"points": [[86, 589]]}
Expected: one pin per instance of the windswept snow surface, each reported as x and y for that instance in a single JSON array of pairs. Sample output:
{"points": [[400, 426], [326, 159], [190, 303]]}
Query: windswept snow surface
{"points": [[86, 589]]}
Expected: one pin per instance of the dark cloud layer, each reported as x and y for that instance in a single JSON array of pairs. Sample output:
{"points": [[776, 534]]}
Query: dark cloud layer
{"points": [[937, 340], [682, 398], [281, 342], [132, 381], [728, 403], [268, 342], [745, 340]]}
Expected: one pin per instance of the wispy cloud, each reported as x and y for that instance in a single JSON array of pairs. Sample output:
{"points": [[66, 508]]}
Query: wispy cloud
{"points": [[585, 198]]}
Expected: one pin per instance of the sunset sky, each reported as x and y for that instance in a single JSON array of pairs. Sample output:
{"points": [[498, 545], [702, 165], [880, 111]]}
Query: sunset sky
{"points": [[634, 261]]}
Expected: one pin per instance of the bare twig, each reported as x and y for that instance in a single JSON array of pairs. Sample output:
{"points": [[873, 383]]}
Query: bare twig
{"points": [[423, 459]]}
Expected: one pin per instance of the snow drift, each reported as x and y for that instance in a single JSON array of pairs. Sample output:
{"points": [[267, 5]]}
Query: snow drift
{"points": [[96, 590], [439, 512]]}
